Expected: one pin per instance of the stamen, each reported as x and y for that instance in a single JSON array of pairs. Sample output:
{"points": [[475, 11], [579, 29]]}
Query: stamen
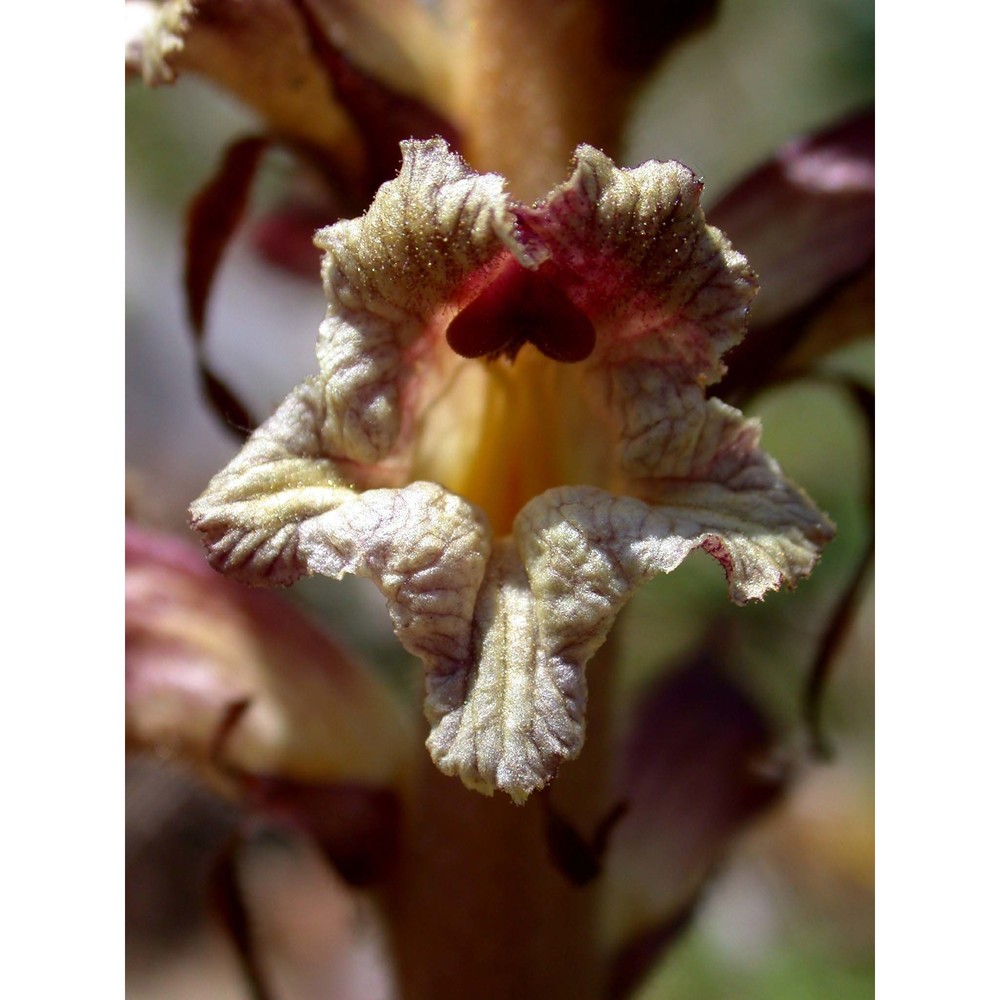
{"points": [[522, 306]]}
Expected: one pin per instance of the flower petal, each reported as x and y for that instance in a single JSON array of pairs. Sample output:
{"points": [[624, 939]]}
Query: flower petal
{"points": [[393, 278], [257, 50], [197, 645], [578, 554], [806, 218], [668, 294], [283, 509], [632, 250], [551, 594]]}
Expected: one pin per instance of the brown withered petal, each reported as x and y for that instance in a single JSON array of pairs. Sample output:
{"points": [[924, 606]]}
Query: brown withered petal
{"points": [[701, 763], [212, 219], [174, 827], [382, 116], [807, 217], [354, 825], [257, 50], [403, 43], [345, 80], [203, 655], [638, 32], [509, 508]]}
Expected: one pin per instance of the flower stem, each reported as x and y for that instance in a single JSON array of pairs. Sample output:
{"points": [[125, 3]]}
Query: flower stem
{"points": [[477, 905], [532, 82]]}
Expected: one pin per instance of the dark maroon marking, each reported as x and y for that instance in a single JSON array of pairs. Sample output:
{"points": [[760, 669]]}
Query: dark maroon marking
{"points": [[714, 546], [521, 306]]}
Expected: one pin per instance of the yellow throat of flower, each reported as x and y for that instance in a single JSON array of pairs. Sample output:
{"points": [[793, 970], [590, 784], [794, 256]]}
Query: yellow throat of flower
{"points": [[502, 432]]}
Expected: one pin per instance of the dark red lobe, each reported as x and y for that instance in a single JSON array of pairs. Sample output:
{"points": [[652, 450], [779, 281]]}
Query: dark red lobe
{"points": [[522, 306]]}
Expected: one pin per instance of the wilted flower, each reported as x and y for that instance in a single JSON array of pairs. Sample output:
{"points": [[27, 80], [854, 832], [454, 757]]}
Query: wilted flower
{"points": [[509, 434]]}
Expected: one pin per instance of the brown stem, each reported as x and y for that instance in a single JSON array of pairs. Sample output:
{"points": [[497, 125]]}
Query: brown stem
{"points": [[476, 905], [531, 82]]}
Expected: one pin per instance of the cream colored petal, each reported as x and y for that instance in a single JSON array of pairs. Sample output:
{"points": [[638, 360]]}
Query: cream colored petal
{"points": [[758, 524], [394, 278], [251, 512], [283, 509], [425, 549], [553, 591], [512, 713], [636, 255]]}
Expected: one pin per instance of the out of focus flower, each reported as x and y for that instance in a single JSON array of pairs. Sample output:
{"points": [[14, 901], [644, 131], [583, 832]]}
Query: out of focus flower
{"points": [[517, 85], [242, 685]]}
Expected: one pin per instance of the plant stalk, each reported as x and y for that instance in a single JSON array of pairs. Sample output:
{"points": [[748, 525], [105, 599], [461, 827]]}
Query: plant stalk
{"points": [[477, 906]]}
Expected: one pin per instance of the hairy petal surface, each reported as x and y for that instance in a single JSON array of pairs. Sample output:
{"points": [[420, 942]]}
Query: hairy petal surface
{"points": [[633, 251], [393, 279], [505, 627], [552, 592]]}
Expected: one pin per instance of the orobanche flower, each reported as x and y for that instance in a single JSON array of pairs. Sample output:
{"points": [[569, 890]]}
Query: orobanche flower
{"points": [[509, 434]]}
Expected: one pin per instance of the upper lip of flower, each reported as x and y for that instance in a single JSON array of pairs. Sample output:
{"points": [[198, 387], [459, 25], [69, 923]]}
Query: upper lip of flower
{"points": [[505, 626]]}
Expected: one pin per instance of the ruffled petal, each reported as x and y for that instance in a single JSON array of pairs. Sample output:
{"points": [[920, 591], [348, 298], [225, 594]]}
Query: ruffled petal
{"points": [[283, 509], [394, 278], [505, 629], [552, 593], [632, 250], [668, 294]]}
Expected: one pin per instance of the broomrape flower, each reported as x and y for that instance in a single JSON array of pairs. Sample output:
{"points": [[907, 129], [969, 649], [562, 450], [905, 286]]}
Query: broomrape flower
{"points": [[509, 434]]}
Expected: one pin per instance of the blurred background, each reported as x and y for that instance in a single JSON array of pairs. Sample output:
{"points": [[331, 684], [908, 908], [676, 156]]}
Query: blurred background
{"points": [[791, 915]]}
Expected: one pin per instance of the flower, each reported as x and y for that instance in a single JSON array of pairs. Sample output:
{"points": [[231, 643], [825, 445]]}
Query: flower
{"points": [[199, 647], [518, 84], [509, 434], [276, 715]]}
